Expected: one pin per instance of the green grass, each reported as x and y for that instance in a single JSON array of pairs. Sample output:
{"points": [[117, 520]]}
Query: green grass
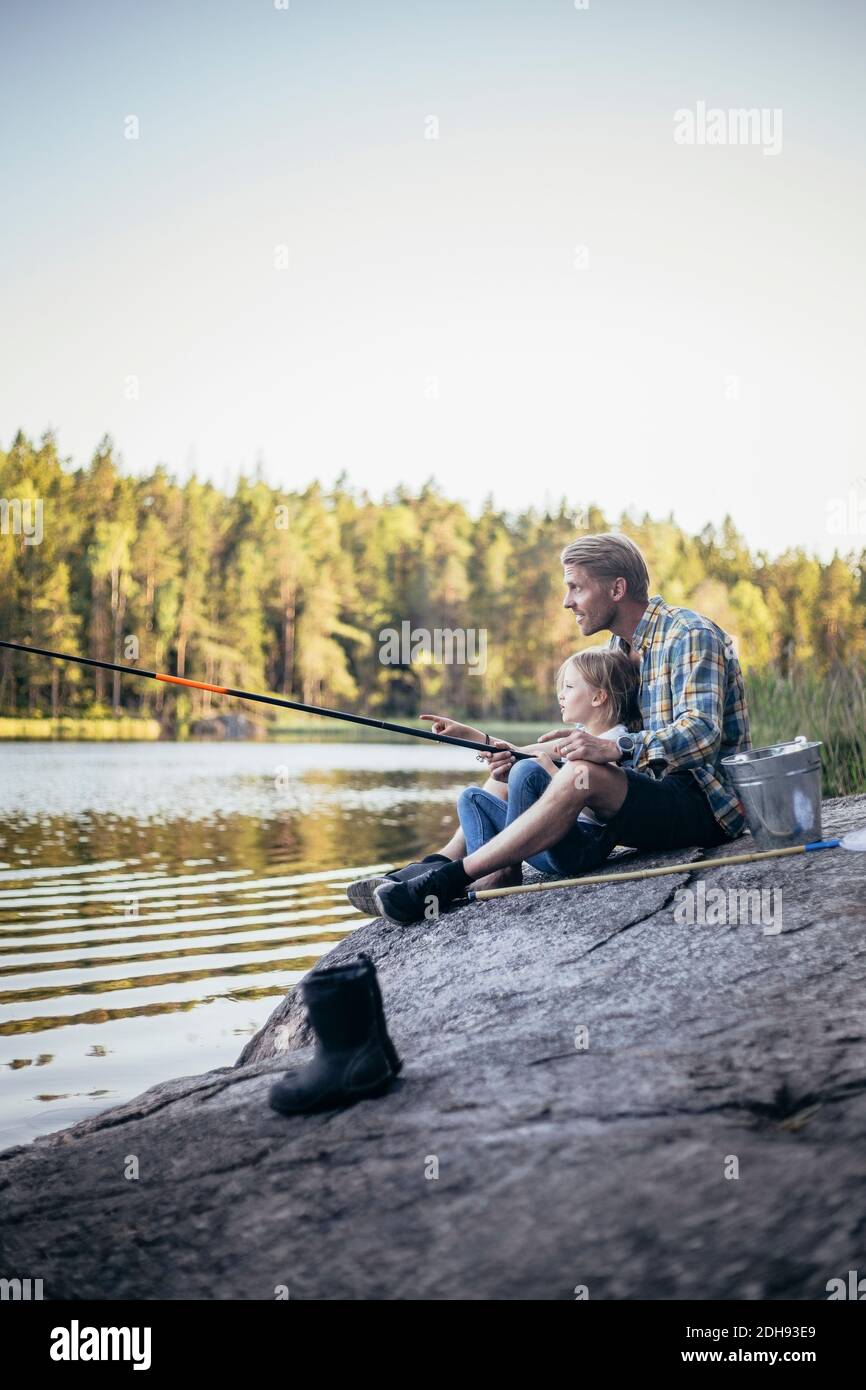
{"points": [[107, 730], [831, 708]]}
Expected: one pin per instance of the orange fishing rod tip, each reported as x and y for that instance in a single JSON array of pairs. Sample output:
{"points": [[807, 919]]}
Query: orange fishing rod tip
{"points": [[196, 685]]}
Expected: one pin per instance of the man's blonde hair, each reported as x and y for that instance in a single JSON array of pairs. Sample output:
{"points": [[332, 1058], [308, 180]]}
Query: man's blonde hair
{"points": [[610, 556]]}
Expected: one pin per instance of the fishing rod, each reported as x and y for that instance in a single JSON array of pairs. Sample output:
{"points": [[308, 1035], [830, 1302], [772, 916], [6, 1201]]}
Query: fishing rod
{"points": [[260, 699], [853, 840]]}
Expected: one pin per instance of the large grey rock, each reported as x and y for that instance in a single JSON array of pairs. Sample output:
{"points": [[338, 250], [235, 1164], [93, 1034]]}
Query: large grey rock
{"points": [[708, 1046]]}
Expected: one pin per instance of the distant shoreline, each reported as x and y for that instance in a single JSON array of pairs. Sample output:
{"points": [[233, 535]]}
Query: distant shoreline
{"points": [[68, 729], [128, 729]]}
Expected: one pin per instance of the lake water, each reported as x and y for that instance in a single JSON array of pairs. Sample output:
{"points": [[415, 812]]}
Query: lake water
{"points": [[157, 899]]}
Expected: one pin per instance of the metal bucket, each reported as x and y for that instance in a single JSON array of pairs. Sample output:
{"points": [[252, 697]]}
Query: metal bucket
{"points": [[780, 788]]}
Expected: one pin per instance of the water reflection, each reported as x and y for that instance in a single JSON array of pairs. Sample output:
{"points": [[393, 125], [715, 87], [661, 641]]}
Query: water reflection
{"points": [[156, 900]]}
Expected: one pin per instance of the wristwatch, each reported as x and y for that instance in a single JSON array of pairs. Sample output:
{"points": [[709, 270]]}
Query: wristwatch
{"points": [[625, 744]]}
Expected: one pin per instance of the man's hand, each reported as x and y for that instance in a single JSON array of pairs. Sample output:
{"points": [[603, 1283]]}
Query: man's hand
{"points": [[580, 746]]}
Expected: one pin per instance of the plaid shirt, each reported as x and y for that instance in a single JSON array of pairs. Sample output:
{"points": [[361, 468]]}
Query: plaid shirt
{"points": [[692, 700]]}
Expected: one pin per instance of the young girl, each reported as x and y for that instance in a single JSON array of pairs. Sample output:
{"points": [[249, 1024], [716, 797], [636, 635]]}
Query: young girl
{"points": [[597, 690]]}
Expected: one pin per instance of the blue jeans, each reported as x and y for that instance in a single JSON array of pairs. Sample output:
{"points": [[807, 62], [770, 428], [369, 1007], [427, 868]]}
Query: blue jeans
{"points": [[483, 815]]}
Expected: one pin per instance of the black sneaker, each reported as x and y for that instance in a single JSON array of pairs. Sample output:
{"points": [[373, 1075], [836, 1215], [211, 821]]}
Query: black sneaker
{"points": [[361, 892], [424, 895]]}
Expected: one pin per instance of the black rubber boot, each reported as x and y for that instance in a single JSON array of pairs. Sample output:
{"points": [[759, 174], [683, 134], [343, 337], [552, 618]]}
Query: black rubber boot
{"points": [[354, 1056], [390, 1049]]}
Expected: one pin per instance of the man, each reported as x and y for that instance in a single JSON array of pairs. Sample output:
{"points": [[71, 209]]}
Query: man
{"points": [[665, 791]]}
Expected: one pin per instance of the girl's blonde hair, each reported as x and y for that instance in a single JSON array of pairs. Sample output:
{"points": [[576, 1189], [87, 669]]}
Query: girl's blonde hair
{"points": [[615, 674]]}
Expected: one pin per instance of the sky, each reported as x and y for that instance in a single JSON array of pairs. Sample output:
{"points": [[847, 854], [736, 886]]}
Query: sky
{"points": [[460, 240]]}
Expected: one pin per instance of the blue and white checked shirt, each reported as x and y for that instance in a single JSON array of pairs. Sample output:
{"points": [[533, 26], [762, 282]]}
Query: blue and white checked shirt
{"points": [[693, 703]]}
